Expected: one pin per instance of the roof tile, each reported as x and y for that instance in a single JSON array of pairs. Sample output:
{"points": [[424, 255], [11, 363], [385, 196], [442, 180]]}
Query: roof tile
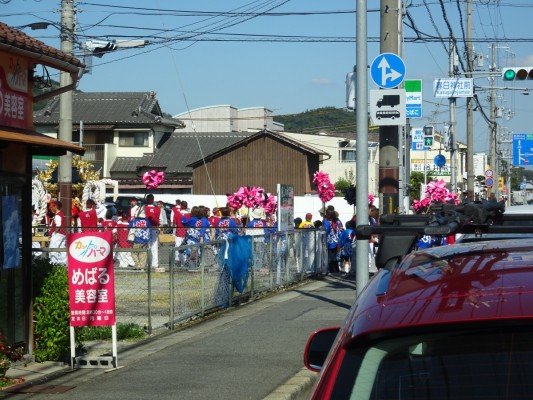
{"points": [[18, 39]]}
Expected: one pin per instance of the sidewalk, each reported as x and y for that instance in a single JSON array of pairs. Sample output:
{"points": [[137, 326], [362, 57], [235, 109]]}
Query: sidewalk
{"points": [[313, 305]]}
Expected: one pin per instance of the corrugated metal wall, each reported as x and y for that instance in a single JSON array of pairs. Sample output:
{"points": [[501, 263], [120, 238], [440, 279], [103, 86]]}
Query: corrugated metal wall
{"points": [[262, 162]]}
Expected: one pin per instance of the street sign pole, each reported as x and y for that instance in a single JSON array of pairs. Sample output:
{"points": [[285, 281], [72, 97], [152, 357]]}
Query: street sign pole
{"points": [[388, 71], [361, 196]]}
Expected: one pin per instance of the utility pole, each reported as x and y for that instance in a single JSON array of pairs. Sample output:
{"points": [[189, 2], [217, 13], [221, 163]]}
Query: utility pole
{"points": [[493, 127], [469, 108], [451, 131], [390, 38], [65, 112], [361, 196]]}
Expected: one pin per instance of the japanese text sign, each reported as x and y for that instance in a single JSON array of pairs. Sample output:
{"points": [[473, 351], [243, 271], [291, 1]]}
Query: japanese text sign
{"points": [[453, 87], [91, 279]]}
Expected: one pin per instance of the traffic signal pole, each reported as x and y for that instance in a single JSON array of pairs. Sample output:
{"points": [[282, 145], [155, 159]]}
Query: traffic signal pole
{"points": [[361, 195], [493, 129], [469, 109]]}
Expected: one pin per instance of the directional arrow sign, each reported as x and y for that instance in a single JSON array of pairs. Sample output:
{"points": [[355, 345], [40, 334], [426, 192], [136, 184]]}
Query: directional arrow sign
{"points": [[387, 70], [522, 149]]}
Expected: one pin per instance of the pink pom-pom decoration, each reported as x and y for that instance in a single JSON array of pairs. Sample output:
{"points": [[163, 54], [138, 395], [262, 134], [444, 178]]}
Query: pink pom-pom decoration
{"points": [[326, 189], [152, 179], [436, 192], [252, 197]]}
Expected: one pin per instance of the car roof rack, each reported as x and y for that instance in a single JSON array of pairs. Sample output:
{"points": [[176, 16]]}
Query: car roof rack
{"points": [[400, 233]]}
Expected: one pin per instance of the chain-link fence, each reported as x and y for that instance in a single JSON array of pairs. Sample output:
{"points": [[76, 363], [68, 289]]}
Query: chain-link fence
{"points": [[159, 285]]}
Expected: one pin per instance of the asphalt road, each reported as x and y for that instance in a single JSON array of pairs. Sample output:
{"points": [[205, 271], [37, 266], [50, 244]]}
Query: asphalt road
{"points": [[244, 353]]}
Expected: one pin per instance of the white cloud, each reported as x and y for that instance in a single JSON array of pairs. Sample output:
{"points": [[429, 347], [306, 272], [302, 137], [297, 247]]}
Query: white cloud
{"points": [[322, 81]]}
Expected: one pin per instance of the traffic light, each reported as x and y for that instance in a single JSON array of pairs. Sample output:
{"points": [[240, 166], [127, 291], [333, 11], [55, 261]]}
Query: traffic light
{"points": [[517, 73], [428, 135]]}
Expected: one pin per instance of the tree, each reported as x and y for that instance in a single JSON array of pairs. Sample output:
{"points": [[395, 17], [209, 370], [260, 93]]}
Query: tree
{"points": [[341, 186], [416, 179]]}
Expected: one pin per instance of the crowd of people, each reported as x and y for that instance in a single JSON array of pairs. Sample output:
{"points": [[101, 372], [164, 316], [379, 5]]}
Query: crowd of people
{"points": [[139, 226]]}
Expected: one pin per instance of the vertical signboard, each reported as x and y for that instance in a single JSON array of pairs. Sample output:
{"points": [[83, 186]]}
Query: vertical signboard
{"points": [[15, 92], [91, 279], [413, 98], [285, 207], [522, 149]]}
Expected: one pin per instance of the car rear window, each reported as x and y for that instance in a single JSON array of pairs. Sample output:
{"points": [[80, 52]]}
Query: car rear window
{"points": [[482, 364]]}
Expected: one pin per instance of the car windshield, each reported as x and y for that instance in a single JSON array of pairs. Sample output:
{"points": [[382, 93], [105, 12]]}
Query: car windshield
{"points": [[482, 364]]}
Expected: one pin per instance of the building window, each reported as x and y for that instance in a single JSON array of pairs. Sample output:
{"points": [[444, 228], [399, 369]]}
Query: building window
{"points": [[133, 139], [347, 155]]}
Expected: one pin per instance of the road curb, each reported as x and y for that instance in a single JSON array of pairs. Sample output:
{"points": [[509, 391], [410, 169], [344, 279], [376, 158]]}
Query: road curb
{"points": [[296, 388]]}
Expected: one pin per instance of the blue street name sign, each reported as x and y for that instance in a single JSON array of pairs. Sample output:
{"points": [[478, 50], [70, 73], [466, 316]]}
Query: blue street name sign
{"points": [[387, 70]]}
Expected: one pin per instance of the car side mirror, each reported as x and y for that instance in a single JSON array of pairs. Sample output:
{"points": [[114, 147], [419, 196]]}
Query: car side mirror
{"points": [[318, 346]]}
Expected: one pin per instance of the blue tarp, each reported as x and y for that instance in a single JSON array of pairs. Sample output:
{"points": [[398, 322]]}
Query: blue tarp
{"points": [[236, 254]]}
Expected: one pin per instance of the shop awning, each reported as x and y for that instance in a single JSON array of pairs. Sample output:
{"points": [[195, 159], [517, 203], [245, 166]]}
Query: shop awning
{"points": [[41, 144]]}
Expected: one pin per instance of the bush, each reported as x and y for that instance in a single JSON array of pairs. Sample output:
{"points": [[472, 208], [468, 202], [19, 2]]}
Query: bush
{"points": [[51, 312], [51, 315], [124, 331]]}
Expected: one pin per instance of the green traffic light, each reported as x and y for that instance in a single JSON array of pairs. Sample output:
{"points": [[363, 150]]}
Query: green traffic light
{"points": [[509, 75], [429, 141]]}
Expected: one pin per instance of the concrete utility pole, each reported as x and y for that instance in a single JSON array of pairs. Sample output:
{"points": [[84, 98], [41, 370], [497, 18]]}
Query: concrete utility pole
{"points": [[493, 126], [469, 108], [65, 112], [361, 195], [451, 132], [390, 39]]}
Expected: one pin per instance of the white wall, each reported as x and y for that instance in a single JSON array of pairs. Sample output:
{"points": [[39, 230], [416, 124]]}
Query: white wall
{"points": [[302, 204]]}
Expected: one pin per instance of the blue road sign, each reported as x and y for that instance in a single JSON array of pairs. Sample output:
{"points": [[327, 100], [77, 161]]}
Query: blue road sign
{"points": [[387, 70], [522, 149], [440, 160], [489, 181]]}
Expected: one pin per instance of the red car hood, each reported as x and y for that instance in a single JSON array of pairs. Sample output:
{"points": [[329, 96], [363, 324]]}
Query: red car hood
{"points": [[449, 284]]}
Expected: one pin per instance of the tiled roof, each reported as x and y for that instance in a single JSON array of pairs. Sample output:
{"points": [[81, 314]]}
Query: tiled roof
{"points": [[12, 39], [264, 132], [99, 108], [180, 150], [125, 164]]}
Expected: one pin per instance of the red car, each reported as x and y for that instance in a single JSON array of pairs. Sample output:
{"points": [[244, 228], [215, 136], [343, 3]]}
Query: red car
{"points": [[449, 322]]}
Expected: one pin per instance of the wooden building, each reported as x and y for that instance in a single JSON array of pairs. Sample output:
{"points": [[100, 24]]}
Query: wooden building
{"points": [[21, 56], [263, 159]]}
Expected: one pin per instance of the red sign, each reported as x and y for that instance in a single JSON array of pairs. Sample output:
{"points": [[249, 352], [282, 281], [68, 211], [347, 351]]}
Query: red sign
{"points": [[15, 106], [91, 279]]}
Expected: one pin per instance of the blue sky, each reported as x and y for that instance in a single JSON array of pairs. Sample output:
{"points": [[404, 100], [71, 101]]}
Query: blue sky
{"points": [[229, 65]]}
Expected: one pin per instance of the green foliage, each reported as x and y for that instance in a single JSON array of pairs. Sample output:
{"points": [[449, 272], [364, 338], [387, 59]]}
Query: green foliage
{"points": [[124, 331], [326, 119], [517, 176], [41, 267], [341, 186], [51, 315], [417, 179]]}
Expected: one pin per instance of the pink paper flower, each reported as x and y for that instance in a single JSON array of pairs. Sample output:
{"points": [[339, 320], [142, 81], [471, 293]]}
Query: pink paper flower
{"points": [[270, 204], [436, 192], [252, 197], [152, 179], [371, 199], [326, 189]]}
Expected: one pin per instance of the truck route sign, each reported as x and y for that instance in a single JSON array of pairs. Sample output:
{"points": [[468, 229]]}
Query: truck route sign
{"points": [[387, 107]]}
